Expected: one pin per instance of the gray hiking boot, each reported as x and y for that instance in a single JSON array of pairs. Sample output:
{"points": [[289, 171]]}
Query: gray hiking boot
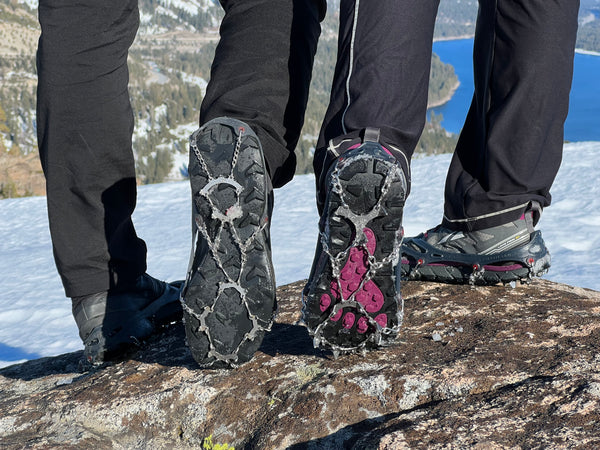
{"points": [[229, 295], [505, 253], [113, 323]]}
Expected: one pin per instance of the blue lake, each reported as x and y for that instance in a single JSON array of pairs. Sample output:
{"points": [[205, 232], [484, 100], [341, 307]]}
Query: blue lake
{"points": [[583, 122]]}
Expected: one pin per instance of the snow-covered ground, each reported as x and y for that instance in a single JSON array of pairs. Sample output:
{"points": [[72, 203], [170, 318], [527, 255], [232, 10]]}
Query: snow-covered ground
{"points": [[35, 317]]}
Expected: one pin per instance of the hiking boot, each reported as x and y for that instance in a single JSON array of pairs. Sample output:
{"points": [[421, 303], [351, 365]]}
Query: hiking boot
{"points": [[113, 323], [352, 299], [501, 254], [229, 295]]}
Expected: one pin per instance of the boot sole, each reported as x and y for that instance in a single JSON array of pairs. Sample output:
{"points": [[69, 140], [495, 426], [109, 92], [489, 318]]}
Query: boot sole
{"points": [[352, 300], [229, 296]]}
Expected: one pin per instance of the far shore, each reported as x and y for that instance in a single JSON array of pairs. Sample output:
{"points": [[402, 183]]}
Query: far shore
{"points": [[453, 38], [586, 52], [471, 36], [450, 94], [446, 98]]}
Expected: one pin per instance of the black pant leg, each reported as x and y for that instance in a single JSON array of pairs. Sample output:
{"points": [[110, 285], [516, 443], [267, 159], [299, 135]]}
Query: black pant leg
{"points": [[261, 73], [382, 74], [510, 148], [85, 123]]}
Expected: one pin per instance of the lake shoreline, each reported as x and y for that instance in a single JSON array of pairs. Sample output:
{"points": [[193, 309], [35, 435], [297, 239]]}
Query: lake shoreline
{"points": [[450, 94], [446, 98], [582, 122], [454, 38], [581, 51]]}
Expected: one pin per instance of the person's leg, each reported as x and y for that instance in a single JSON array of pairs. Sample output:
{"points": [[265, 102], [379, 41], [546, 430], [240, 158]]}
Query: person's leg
{"points": [[261, 73], [381, 76], [250, 121], [509, 150], [376, 114], [85, 124]]}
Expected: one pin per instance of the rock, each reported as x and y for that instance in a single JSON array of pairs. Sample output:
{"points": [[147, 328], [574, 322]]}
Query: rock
{"points": [[474, 367]]}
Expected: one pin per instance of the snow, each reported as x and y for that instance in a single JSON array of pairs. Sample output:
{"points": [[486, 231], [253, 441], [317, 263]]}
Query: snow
{"points": [[180, 160], [584, 20], [35, 317], [145, 18], [33, 4], [183, 132], [192, 7], [165, 12], [195, 81]]}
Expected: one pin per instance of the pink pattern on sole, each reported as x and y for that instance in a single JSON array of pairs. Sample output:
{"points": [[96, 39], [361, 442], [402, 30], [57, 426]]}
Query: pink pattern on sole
{"points": [[348, 321], [324, 302], [363, 325], [351, 277], [337, 316], [381, 319]]}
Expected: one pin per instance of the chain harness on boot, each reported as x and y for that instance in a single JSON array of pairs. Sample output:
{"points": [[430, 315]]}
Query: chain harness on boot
{"points": [[226, 219], [337, 261]]}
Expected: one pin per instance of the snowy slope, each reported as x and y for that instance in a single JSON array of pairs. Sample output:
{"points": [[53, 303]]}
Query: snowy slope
{"points": [[35, 317]]}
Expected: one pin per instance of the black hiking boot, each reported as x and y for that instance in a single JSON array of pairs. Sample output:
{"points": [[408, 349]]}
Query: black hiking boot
{"points": [[501, 254], [113, 323], [229, 296], [352, 299]]}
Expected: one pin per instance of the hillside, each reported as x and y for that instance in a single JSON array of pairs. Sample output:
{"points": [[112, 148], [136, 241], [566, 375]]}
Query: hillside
{"points": [[588, 37], [170, 65], [458, 17]]}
